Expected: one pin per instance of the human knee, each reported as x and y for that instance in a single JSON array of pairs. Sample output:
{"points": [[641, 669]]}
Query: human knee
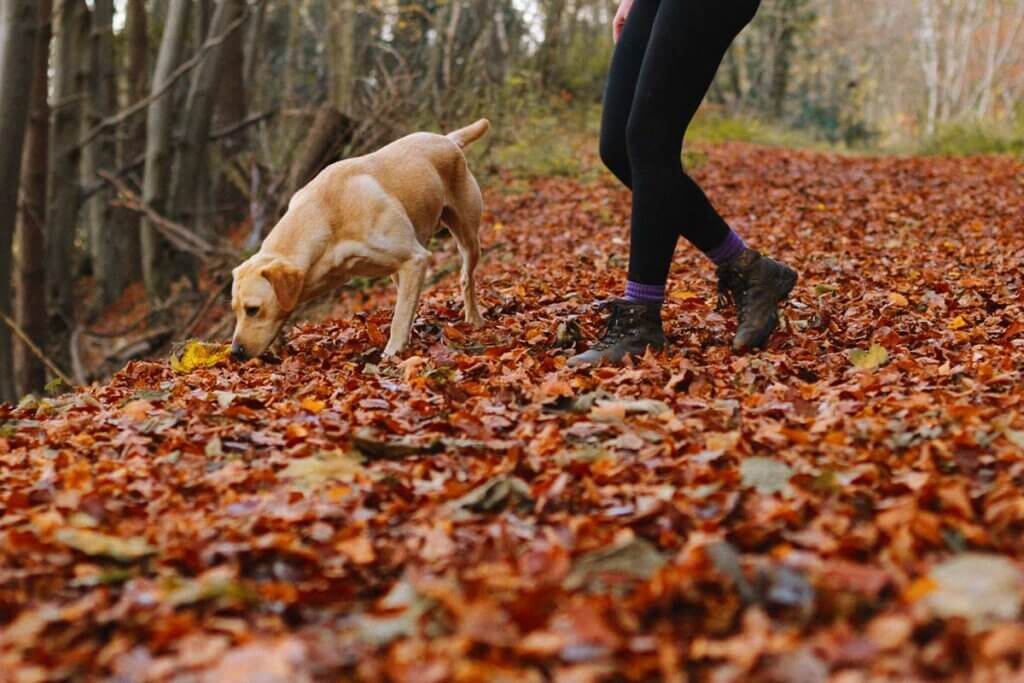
{"points": [[613, 153], [651, 142]]}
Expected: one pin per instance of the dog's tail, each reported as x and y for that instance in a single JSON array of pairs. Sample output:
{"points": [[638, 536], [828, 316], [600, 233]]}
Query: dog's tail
{"points": [[464, 137]]}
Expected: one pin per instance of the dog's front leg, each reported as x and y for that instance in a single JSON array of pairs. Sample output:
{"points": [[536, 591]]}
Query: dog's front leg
{"points": [[410, 285]]}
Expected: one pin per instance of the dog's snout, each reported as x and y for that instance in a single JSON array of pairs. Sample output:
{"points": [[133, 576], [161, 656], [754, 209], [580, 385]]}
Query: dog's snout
{"points": [[238, 352]]}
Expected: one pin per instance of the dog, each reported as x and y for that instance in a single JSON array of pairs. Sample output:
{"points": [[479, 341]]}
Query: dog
{"points": [[372, 216]]}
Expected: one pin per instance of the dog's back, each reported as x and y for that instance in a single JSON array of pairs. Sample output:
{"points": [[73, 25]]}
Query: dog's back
{"points": [[425, 172]]}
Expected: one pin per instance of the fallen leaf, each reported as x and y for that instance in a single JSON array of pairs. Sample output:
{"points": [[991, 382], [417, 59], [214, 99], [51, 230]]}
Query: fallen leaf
{"points": [[358, 549], [957, 323], [874, 357], [323, 467], [981, 588], [634, 557], [96, 543], [897, 299], [373, 446], [499, 493], [312, 405], [224, 398], [197, 354], [767, 475]]}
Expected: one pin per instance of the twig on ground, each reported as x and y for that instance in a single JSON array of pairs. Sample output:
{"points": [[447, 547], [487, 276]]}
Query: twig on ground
{"points": [[36, 351]]}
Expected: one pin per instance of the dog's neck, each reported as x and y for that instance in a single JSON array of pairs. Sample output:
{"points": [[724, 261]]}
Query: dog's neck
{"points": [[296, 238]]}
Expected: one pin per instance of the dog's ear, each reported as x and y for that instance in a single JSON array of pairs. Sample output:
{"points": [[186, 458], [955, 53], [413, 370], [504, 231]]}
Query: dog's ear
{"points": [[287, 281]]}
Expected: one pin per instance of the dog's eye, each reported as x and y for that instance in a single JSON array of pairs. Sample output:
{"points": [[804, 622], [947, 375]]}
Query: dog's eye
{"points": [[252, 311]]}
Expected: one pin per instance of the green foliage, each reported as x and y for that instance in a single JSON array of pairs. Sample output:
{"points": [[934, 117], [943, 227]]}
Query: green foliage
{"points": [[586, 67], [544, 139], [963, 139], [712, 126]]}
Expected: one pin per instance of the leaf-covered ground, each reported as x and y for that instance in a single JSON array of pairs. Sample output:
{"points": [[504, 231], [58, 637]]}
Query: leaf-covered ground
{"points": [[844, 506]]}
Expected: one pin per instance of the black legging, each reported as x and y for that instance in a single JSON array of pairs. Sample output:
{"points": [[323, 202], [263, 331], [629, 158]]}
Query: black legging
{"points": [[663, 66]]}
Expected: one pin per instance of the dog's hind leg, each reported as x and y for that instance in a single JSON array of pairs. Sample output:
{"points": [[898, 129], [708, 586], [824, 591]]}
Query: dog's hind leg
{"points": [[410, 278], [463, 220]]}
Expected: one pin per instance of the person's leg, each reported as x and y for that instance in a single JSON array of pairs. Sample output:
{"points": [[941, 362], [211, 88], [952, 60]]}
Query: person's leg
{"points": [[627, 60], [688, 40]]}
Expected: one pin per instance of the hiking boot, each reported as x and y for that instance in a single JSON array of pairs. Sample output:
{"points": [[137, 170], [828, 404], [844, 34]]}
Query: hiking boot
{"points": [[632, 327], [756, 284]]}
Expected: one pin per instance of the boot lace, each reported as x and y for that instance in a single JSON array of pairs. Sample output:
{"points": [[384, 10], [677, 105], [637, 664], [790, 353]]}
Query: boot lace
{"points": [[621, 323]]}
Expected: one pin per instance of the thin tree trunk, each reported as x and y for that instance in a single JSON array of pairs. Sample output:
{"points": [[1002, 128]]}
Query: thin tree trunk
{"points": [[158, 142], [132, 136], [202, 96], [231, 95], [63, 189], [783, 56], [341, 55], [18, 26], [549, 49], [253, 41], [30, 237], [111, 243]]}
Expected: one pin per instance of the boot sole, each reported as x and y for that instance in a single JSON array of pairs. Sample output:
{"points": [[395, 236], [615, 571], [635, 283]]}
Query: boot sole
{"points": [[786, 284]]}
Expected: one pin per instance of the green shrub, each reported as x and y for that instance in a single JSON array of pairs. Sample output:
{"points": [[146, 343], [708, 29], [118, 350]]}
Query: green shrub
{"points": [[963, 139]]}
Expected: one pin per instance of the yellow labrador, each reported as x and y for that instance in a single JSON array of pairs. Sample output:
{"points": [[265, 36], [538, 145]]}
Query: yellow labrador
{"points": [[371, 216]]}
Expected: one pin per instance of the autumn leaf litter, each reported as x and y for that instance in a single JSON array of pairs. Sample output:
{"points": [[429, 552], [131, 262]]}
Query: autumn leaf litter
{"points": [[846, 501]]}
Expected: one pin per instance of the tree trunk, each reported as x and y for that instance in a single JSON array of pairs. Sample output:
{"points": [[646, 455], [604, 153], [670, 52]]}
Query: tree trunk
{"points": [[132, 136], [190, 154], [18, 25], [113, 245], [549, 49], [783, 56], [341, 55], [62, 186], [158, 141], [231, 95], [138, 49], [30, 272], [253, 41]]}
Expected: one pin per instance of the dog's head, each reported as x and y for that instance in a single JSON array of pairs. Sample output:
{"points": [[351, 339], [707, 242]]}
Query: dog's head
{"points": [[265, 292]]}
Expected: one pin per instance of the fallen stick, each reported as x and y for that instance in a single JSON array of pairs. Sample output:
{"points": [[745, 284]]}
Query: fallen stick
{"points": [[36, 351]]}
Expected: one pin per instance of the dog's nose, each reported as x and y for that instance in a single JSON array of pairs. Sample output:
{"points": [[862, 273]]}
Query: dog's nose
{"points": [[238, 352]]}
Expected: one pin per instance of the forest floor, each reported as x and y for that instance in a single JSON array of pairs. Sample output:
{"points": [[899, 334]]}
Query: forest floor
{"points": [[845, 505]]}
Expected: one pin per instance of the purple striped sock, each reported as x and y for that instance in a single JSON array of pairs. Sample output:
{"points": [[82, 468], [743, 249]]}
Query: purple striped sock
{"points": [[731, 247], [645, 294]]}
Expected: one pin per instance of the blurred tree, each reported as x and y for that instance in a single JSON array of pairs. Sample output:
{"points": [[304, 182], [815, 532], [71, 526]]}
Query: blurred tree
{"points": [[155, 263], [30, 242], [18, 26], [63, 191]]}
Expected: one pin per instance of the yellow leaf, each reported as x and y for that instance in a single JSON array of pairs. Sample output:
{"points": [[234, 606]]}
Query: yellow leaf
{"points": [[95, 543], [312, 405], [897, 299], [684, 295], [957, 323], [498, 226], [199, 355], [873, 358], [920, 588]]}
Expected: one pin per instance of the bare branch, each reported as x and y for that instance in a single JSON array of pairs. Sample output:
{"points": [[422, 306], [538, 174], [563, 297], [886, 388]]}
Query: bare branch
{"points": [[185, 67]]}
